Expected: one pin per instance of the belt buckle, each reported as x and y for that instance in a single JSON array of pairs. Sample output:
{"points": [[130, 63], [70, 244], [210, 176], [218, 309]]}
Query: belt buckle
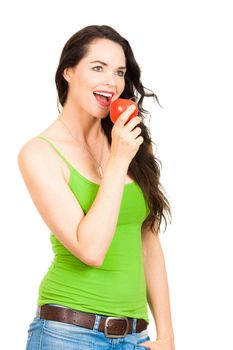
{"points": [[115, 335]]}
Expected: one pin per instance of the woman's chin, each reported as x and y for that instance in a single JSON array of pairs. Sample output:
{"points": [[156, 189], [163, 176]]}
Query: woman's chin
{"points": [[101, 115]]}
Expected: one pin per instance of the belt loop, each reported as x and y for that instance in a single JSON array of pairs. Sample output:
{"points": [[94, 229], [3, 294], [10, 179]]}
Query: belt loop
{"points": [[97, 322], [38, 311], [134, 325]]}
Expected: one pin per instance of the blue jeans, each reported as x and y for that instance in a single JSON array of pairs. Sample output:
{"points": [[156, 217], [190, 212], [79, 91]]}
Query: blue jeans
{"points": [[54, 335]]}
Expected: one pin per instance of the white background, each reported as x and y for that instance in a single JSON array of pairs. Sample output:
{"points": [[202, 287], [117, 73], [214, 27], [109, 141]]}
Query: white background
{"points": [[184, 49]]}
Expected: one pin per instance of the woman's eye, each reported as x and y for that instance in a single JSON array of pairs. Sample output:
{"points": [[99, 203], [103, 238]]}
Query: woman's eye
{"points": [[121, 73], [97, 68]]}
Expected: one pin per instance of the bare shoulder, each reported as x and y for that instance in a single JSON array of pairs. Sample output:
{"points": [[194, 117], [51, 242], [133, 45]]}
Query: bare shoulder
{"points": [[37, 150], [34, 145], [37, 154], [54, 200]]}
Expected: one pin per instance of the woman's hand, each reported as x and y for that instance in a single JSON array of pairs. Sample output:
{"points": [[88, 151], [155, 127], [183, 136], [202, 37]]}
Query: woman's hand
{"points": [[126, 139], [160, 344]]}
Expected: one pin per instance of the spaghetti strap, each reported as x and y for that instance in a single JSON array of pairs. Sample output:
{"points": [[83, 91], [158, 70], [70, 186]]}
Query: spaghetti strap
{"points": [[72, 168], [55, 148]]}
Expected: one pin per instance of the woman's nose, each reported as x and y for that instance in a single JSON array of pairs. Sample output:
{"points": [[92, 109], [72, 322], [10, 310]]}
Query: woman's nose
{"points": [[109, 84], [110, 80]]}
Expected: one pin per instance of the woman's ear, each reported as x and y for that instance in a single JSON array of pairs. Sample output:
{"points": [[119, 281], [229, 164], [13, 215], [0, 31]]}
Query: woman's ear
{"points": [[67, 73]]}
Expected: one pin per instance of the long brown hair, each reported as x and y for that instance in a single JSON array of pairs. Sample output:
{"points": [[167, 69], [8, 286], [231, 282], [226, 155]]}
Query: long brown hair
{"points": [[144, 167]]}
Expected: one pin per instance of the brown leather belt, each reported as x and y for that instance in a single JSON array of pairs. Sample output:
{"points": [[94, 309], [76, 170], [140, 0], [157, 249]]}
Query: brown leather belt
{"points": [[112, 327]]}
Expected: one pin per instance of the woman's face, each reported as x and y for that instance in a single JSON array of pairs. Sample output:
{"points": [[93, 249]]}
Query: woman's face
{"points": [[102, 70]]}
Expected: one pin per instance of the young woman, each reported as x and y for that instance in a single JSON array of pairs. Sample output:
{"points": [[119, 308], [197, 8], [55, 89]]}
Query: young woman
{"points": [[96, 185]]}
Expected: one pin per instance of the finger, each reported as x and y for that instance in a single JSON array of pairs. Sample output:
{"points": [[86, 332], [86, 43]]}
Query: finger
{"points": [[125, 115], [137, 131], [147, 344], [132, 123], [140, 140]]}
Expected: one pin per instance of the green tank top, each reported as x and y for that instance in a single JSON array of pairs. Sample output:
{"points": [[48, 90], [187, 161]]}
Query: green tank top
{"points": [[118, 286]]}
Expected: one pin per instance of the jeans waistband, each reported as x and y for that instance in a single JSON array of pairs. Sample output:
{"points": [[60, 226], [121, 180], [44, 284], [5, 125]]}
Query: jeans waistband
{"points": [[97, 319]]}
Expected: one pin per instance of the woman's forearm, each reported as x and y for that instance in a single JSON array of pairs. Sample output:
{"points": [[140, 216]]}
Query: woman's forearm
{"points": [[96, 230], [157, 285]]}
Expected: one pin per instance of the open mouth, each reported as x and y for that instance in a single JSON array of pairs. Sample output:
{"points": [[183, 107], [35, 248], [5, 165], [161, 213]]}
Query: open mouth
{"points": [[103, 98]]}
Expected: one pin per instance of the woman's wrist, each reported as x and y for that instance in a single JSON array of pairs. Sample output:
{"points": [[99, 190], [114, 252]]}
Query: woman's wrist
{"points": [[168, 337]]}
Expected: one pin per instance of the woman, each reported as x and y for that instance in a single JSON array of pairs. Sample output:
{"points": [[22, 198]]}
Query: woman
{"points": [[96, 186]]}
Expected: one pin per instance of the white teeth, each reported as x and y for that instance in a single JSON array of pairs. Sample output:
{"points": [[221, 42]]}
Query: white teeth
{"points": [[103, 94]]}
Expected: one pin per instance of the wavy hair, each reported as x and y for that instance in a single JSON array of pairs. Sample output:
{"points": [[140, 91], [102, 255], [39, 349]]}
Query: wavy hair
{"points": [[144, 167]]}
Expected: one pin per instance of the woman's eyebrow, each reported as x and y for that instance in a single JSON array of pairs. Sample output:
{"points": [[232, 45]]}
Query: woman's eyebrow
{"points": [[105, 64]]}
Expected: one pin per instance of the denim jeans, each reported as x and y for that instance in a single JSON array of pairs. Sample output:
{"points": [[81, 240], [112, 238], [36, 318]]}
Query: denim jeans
{"points": [[54, 335]]}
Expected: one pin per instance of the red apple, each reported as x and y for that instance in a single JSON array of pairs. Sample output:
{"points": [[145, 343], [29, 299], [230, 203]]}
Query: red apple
{"points": [[119, 106]]}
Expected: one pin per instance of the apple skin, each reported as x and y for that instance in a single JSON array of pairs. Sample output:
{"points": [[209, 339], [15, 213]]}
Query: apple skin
{"points": [[119, 106]]}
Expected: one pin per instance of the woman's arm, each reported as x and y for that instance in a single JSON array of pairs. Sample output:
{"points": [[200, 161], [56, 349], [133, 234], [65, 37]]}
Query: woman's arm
{"points": [[157, 285], [86, 236]]}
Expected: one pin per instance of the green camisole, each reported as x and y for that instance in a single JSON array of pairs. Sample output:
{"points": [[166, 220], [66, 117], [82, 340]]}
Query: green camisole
{"points": [[118, 286]]}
